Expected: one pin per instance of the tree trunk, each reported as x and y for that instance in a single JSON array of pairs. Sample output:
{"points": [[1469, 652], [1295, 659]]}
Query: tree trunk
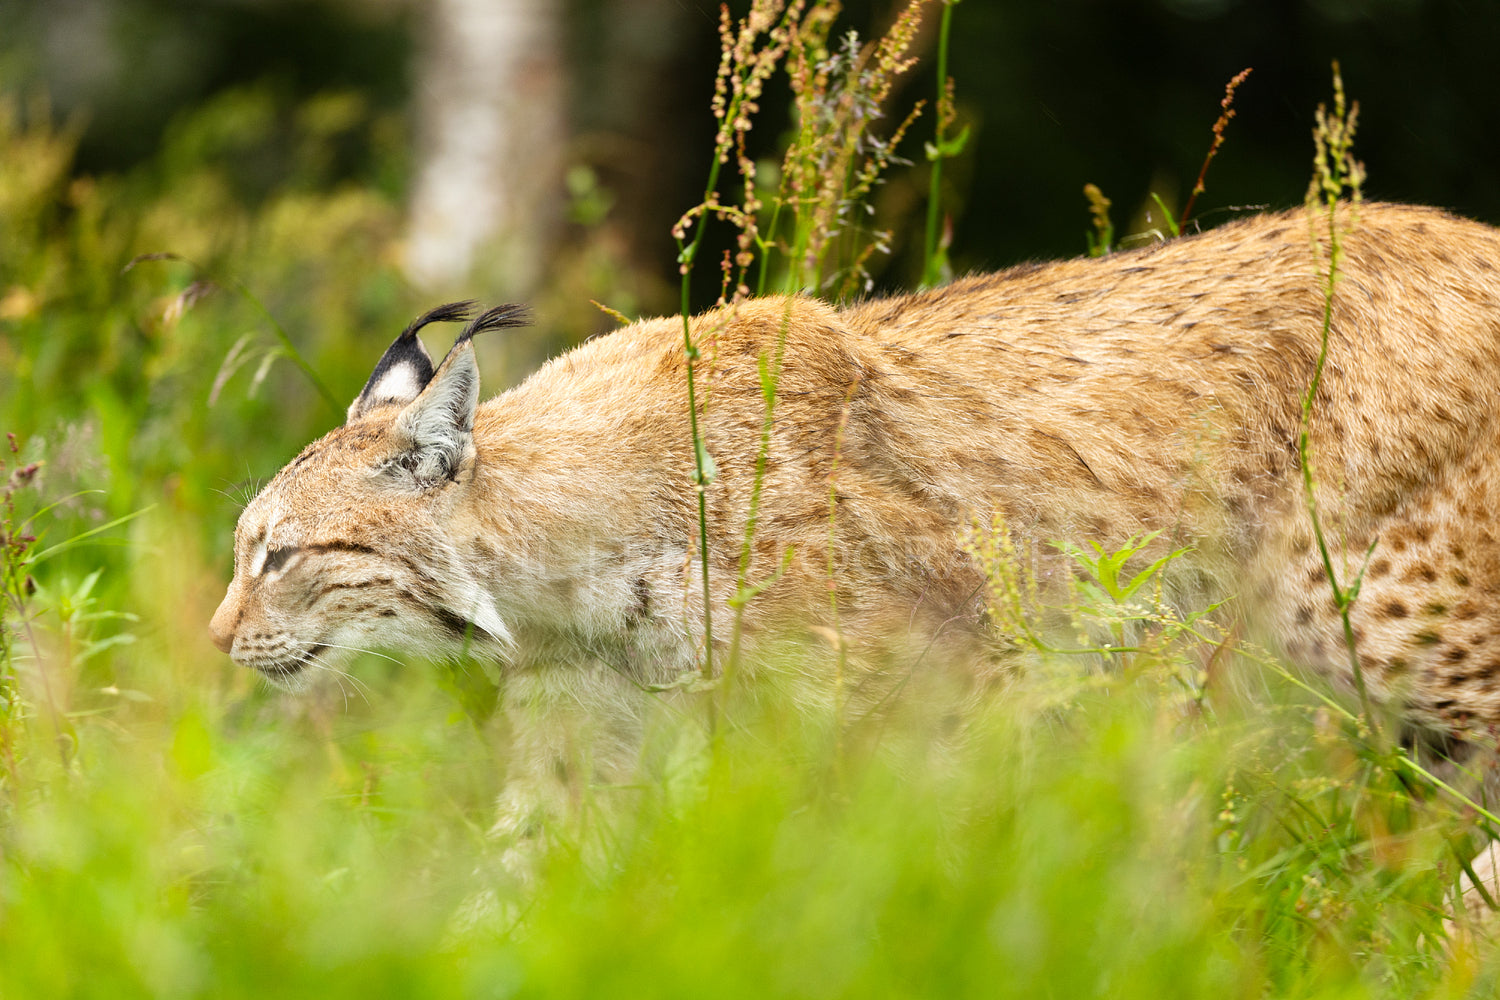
{"points": [[487, 202]]}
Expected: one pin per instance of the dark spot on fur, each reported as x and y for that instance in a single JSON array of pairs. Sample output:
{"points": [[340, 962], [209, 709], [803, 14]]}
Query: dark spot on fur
{"points": [[340, 546], [1305, 615], [1461, 578], [1379, 568], [1434, 609], [1398, 666], [1394, 609], [458, 626], [1422, 572], [640, 611], [1427, 637], [1456, 654]]}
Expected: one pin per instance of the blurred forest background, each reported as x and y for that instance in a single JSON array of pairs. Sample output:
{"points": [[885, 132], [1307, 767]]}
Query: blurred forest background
{"points": [[310, 174], [346, 163], [522, 122]]}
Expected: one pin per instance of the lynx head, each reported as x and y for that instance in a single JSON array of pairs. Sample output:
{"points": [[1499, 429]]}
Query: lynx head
{"points": [[348, 547]]}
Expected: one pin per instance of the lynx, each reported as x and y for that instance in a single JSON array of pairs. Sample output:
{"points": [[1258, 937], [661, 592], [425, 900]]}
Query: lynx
{"points": [[554, 528]]}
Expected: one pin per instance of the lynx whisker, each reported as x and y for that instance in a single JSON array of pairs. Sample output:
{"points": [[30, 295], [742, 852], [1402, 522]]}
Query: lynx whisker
{"points": [[339, 676], [361, 649]]}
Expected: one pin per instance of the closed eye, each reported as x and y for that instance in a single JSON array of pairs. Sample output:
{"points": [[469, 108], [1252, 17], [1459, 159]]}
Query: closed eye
{"points": [[276, 558]]}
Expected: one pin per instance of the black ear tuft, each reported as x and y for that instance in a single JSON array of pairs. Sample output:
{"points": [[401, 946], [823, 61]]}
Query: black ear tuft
{"points": [[499, 318], [452, 312], [406, 368], [434, 433]]}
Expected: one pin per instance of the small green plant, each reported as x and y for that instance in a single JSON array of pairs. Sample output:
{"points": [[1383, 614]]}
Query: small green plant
{"points": [[16, 543], [807, 229], [744, 590], [1100, 596], [1332, 204], [33, 672], [1336, 175], [1110, 591], [1101, 240], [936, 269], [1226, 113]]}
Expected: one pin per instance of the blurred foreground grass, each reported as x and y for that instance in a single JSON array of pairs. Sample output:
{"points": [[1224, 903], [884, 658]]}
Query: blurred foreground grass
{"points": [[169, 827], [1082, 840]]}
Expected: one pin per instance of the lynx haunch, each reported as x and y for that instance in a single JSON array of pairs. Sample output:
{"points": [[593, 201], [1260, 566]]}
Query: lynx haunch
{"points": [[1156, 389]]}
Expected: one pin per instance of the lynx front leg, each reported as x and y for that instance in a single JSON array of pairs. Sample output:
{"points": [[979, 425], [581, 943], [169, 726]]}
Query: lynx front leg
{"points": [[576, 739]]}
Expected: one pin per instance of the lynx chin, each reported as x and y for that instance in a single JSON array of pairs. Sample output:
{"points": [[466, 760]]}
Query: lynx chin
{"points": [[554, 527]]}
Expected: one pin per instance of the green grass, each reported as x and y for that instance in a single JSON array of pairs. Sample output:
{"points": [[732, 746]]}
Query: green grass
{"points": [[1180, 825], [1082, 839]]}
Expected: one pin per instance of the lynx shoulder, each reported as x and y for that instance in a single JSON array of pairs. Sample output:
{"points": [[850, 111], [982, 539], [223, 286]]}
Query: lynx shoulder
{"points": [[1154, 390]]}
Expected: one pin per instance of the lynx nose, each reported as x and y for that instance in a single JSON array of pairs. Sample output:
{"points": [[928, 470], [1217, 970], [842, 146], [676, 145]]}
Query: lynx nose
{"points": [[221, 628]]}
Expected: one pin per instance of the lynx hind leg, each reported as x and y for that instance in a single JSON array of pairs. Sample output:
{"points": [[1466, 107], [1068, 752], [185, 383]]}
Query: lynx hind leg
{"points": [[1427, 620]]}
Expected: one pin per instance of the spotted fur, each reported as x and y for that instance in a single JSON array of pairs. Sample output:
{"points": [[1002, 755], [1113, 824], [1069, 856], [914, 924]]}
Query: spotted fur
{"points": [[1157, 389]]}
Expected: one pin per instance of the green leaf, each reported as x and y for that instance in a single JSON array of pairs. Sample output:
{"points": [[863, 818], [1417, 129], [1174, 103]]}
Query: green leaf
{"points": [[64, 546], [1166, 212], [92, 649], [706, 471]]}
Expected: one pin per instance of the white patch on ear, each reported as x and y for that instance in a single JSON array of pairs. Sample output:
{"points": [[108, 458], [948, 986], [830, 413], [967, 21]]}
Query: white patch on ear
{"points": [[400, 383]]}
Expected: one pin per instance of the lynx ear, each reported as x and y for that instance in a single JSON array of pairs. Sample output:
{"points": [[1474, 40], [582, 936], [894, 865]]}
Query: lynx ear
{"points": [[406, 368], [436, 430]]}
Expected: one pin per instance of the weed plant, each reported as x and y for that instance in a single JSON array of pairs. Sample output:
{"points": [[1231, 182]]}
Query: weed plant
{"points": [[1157, 811]]}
